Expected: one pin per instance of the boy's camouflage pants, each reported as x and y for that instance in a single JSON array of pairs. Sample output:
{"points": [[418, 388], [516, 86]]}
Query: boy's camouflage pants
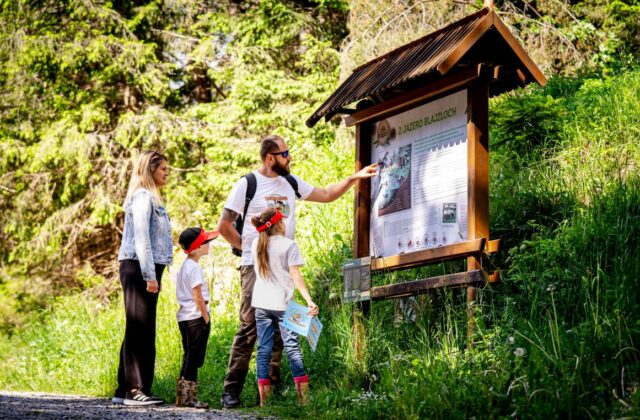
{"points": [[245, 340]]}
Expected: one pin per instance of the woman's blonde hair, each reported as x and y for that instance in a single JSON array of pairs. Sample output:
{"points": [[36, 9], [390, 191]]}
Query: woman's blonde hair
{"points": [[142, 175], [262, 257]]}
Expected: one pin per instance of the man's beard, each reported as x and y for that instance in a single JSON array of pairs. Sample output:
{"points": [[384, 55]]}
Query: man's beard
{"points": [[280, 169]]}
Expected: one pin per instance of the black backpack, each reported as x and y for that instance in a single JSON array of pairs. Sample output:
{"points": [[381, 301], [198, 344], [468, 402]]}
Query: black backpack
{"points": [[252, 183]]}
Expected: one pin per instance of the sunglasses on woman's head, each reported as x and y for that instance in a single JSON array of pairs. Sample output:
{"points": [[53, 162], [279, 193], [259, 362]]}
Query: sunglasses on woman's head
{"points": [[284, 154]]}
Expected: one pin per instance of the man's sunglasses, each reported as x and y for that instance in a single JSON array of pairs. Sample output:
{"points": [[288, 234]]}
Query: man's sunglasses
{"points": [[284, 154]]}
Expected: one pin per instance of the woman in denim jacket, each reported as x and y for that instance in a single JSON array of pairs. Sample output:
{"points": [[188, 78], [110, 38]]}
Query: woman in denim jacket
{"points": [[145, 251]]}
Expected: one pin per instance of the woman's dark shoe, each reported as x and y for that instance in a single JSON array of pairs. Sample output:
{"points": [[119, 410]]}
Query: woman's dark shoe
{"points": [[139, 398], [157, 399]]}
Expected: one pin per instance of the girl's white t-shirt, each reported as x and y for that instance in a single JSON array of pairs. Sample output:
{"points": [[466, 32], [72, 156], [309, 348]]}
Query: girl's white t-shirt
{"points": [[276, 290], [190, 275]]}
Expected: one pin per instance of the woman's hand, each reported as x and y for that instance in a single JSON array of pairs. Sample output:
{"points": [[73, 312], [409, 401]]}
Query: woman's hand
{"points": [[152, 286], [313, 309]]}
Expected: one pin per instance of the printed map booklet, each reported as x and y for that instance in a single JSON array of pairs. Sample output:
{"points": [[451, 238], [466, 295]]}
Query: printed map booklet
{"points": [[297, 320]]}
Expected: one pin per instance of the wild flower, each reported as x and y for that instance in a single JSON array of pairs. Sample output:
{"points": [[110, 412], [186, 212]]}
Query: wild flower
{"points": [[397, 357], [519, 352], [366, 397]]}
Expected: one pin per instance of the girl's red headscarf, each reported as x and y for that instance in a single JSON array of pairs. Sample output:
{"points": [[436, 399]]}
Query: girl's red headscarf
{"points": [[274, 219]]}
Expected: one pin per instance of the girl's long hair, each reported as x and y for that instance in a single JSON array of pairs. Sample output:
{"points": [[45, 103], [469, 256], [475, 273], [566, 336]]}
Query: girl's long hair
{"points": [[142, 175], [262, 257]]}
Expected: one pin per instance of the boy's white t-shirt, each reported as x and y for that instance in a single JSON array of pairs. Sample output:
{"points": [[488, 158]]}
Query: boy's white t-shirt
{"points": [[190, 275], [275, 291], [270, 192]]}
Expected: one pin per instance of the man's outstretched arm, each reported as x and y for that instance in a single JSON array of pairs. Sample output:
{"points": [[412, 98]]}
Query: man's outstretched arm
{"points": [[337, 190]]}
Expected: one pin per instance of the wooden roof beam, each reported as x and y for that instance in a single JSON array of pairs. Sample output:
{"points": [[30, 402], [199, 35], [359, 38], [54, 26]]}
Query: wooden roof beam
{"points": [[519, 51], [343, 111], [492, 20], [412, 98], [466, 44]]}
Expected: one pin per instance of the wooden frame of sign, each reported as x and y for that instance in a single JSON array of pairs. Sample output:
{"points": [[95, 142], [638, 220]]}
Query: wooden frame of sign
{"points": [[477, 55], [478, 245]]}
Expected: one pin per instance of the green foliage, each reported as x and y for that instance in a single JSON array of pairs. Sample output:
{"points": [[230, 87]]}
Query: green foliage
{"points": [[50, 358], [86, 86], [527, 123]]}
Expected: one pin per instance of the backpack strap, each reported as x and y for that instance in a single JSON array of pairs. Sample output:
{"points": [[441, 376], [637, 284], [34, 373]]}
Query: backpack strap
{"points": [[252, 184], [251, 192], [294, 184], [238, 224]]}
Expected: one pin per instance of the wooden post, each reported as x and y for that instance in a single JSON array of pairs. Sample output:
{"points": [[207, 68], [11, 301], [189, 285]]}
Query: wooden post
{"points": [[478, 167], [361, 226], [362, 199]]}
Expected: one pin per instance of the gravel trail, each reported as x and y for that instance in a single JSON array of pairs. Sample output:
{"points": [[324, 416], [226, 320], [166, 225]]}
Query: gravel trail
{"points": [[35, 405]]}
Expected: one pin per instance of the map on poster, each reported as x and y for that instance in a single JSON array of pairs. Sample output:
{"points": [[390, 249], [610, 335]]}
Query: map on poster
{"points": [[419, 197]]}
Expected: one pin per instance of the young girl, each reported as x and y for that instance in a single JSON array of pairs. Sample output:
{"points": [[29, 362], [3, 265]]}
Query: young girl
{"points": [[276, 261]]}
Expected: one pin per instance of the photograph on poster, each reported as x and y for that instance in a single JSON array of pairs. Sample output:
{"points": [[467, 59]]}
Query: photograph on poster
{"points": [[384, 134], [395, 181], [449, 213], [419, 198]]}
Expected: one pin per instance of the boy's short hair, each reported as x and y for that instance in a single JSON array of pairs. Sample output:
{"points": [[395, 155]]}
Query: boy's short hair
{"points": [[193, 238]]}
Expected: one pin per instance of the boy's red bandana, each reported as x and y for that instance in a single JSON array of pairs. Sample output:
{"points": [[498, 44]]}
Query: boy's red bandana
{"points": [[203, 237]]}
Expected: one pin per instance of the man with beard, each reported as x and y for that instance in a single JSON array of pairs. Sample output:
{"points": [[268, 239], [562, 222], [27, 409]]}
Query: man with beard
{"points": [[273, 189]]}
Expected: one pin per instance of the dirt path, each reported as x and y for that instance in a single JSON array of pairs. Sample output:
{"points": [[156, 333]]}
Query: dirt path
{"points": [[33, 405]]}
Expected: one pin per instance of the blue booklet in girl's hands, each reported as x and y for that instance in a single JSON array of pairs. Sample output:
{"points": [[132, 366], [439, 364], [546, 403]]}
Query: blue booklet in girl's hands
{"points": [[297, 320]]}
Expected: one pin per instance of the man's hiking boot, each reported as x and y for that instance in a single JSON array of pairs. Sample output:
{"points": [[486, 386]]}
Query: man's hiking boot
{"points": [[230, 400]]}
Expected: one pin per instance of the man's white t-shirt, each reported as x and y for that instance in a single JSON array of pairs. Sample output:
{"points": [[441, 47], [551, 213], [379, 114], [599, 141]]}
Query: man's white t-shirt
{"points": [[276, 290], [270, 192], [190, 275]]}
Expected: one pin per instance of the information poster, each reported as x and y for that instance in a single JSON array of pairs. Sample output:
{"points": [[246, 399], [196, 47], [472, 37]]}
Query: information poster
{"points": [[419, 196]]}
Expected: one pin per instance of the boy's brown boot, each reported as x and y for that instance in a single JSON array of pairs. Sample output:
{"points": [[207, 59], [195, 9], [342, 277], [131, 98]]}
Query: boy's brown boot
{"points": [[264, 389], [193, 396], [302, 386], [182, 393]]}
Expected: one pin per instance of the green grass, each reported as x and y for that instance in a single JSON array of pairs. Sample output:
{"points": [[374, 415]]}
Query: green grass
{"points": [[76, 349], [559, 337]]}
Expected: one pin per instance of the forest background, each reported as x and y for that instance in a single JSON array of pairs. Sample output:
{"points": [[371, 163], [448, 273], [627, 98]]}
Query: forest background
{"points": [[86, 84]]}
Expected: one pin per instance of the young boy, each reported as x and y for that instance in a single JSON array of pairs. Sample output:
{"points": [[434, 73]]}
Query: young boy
{"points": [[193, 296]]}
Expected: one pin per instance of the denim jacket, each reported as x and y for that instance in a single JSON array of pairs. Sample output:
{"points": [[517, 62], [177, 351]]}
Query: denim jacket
{"points": [[147, 234]]}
